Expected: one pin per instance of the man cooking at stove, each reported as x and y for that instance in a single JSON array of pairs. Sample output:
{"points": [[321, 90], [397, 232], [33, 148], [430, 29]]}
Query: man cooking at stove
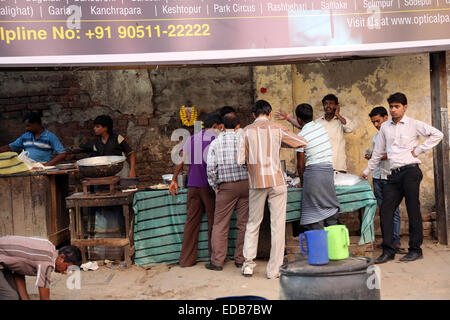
{"points": [[38, 142], [110, 143]]}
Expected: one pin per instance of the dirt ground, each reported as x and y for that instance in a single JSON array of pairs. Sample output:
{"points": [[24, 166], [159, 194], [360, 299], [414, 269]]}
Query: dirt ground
{"points": [[424, 279]]}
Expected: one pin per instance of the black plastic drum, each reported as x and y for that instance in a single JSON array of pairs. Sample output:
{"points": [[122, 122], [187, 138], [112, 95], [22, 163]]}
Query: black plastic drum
{"points": [[350, 279]]}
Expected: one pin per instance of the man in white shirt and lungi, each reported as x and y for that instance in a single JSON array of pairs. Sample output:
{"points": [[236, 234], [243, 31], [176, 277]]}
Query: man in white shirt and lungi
{"points": [[320, 206], [399, 138]]}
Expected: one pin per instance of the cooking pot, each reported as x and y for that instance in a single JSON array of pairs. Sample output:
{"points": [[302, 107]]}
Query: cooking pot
{"points": [[103, 166]]}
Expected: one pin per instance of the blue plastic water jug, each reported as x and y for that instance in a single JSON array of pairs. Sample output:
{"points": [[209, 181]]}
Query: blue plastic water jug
{"points": [[317, 246]]}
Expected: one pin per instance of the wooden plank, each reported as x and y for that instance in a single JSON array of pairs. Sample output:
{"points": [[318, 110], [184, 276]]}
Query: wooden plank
{"points": [[6, 213], [113, 242], [54, 205], [62, 187], [20, 208], [72, 227], [38, 197], [60, 236], [95, 203], [117, 195], [439, 119]]}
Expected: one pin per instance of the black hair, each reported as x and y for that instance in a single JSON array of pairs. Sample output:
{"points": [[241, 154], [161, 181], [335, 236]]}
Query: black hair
{"points": [[71, 254], [104, 121], [397, 97], [212, 119], [261, 107], [330, 96], [378, 111], [226, 110], [33, 117], [230, 120], [304, 111]]}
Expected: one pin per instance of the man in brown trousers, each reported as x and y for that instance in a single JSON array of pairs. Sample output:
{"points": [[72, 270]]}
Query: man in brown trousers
{"points": [[200, 196], [230, 182]]}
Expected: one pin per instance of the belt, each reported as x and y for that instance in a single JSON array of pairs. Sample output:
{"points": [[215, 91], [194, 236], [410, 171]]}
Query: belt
{"points": [[397, 170]]}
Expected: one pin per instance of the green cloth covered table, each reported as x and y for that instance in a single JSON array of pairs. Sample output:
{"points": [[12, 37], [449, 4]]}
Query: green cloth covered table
{"points": [[160, 219]]}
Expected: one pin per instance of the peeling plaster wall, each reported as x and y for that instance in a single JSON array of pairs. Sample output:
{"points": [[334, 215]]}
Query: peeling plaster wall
{"points": [[125, 91], [274, 84], [208, 89], [361, 85]]}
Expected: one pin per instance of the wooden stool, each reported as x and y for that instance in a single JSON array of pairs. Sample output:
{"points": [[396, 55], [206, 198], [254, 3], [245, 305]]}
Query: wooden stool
{"points": [[111, 181], [79, 200]]}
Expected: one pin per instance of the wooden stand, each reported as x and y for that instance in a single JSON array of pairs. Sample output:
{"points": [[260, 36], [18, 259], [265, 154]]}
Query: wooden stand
{"points": [[32, 204], [78, 200], [111, 181]]}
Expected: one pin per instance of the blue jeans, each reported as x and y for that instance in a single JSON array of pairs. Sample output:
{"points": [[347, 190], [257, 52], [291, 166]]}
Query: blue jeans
{"points": [[378, 185]]}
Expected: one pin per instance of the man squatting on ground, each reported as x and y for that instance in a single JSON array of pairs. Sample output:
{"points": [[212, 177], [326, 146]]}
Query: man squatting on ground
{"points": [[399, 139], [29, 256]]}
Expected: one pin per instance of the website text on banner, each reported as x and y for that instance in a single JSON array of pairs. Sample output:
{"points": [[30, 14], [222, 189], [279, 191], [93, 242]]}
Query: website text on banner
{"points": [[192, 31]]}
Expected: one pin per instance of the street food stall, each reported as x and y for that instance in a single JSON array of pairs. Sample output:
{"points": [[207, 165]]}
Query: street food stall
{"points": [[198, 33]]}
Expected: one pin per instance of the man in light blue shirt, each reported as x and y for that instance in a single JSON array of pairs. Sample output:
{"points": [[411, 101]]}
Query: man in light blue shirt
{"points": [[38, 142]]}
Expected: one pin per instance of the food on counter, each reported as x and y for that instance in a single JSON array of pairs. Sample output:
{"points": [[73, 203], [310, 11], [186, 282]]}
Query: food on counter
{"points": [[160, 186]]}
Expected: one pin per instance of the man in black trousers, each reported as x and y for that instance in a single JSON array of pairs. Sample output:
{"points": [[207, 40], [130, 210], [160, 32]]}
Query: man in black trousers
{"points": [[399, 138]]}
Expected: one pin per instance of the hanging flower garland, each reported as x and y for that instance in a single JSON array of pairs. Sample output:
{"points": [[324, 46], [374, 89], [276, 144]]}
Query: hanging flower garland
{"points": [[184, 118]]}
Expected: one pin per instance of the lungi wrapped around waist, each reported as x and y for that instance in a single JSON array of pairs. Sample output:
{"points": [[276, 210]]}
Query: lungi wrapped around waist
{"points": [[319, 200]]}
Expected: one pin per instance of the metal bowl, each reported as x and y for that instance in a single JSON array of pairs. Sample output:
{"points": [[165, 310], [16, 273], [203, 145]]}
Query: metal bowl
{"points": [[96, 167]]}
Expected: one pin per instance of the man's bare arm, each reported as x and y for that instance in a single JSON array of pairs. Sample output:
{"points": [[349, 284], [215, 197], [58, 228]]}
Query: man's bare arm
{"points": [[44, 293], [21, 286], [60, 157]]}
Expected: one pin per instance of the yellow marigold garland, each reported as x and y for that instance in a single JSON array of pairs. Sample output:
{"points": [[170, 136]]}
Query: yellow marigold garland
{"points": [[183, 116]]}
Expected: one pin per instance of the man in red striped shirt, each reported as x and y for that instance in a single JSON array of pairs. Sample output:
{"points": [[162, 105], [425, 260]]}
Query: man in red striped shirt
{"points": [[260, 144]]}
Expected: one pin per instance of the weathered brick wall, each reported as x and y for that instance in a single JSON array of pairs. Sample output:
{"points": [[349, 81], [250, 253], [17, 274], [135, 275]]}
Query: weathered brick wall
{"points": [[144, 104]]}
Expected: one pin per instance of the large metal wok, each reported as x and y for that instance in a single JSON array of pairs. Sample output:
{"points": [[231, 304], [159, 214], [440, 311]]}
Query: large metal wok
{"points": [[104, 166]]}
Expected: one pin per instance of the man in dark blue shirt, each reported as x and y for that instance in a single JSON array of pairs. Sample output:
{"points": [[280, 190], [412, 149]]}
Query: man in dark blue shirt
{"points": [[38, 142]]}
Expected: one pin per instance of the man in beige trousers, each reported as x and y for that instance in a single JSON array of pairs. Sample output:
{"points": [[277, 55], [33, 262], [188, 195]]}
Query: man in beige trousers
{"points": [[260, 144]]}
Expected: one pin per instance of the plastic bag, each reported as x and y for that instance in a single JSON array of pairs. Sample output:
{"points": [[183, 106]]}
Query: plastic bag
{"points": [[30, 163], [345, 179]]}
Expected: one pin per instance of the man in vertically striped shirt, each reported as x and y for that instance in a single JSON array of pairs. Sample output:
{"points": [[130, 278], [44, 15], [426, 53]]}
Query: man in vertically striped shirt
{"points": [[230, 182], [30, 256], [320, 206], [260, 144]]}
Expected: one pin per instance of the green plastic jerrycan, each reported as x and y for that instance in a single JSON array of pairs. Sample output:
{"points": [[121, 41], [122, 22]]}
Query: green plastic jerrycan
{"points": [[338, 242]]}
